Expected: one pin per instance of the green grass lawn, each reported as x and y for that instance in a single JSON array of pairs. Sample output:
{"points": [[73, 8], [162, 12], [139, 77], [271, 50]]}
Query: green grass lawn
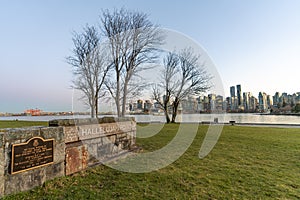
{"points": [[18, 124], [246, 163]]}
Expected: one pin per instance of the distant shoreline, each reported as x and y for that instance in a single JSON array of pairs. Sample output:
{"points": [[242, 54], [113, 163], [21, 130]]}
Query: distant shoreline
{"points": [[283, 114], [154, 114]]}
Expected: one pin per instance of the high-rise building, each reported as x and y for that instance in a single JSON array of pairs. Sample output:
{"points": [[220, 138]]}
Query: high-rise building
{"points": [[199, 103], [147, 105], [253, 104], [232, 91], [140, 104], [219, 103], [269, 101], [262, 101], [233, 101], [212, 101], [246, 98], [228, 104], [239, 95], [284, 97], [276, 99], [298, 98]]}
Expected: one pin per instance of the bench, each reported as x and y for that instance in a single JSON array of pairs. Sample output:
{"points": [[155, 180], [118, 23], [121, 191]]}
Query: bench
{"points": [[232, 122]]}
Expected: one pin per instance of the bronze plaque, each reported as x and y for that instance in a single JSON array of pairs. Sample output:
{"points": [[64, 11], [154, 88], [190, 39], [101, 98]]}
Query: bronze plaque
{"points": [[34, 153]]}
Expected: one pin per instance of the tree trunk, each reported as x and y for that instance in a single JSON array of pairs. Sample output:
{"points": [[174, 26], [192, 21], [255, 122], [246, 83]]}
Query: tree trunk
{"points": [[167, 116], [93, 109], [117, 100], [166, 112], [124, 98], [175, 109], [118, 105], [96, 104]]}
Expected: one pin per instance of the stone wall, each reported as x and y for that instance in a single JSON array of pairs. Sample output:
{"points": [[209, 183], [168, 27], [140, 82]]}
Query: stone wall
{"points": [[90, 141], [77, 144], [30, 178]]}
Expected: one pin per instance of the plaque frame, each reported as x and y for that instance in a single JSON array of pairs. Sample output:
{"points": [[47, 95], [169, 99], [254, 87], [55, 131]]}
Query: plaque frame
{"points": [[12, 171]]}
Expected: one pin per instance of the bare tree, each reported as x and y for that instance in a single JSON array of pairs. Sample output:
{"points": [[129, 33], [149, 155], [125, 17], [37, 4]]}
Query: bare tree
{"points": [[89, 65], [167, 84], [182, 76], [133, 40], [193, 79]]}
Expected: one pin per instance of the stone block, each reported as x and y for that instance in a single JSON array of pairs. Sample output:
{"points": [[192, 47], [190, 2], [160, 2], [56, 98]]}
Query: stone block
{"points": [[70, 134], [24, 181], [55, 170], [53, 132], [76, 158]]}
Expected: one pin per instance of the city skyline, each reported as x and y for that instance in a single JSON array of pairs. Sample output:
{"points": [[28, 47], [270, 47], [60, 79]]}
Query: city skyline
{"points": [[252, 43], [239, 101]]}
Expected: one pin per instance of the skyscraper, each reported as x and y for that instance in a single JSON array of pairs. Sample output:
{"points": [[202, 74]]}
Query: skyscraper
{"points": [[233, 102], [232, 91], [276, 99], [246, 99], [262, 101], [239, 94]]}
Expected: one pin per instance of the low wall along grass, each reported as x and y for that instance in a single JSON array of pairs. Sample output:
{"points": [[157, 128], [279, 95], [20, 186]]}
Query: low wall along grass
{"points": [[246, 163], [33, 155]]}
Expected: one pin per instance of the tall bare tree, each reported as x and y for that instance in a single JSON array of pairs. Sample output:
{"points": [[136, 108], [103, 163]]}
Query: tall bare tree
{"points": [[193, 79], [133, 40], [167, 84], [89, 65], [182, 76]]}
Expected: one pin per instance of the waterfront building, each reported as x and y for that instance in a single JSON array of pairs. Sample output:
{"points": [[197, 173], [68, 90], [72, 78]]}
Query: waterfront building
{"points": [[203, 104], [269, 101], [234, 104], [284, 99], [253, 104], [33, 112], [189, 105], [132, 106], [298, 98], [219, 103], [212, 102], [199, 103], [228, 104], [293, 99], [239, 95], [246, 98], [262, 101], [139, 104], [276, 99], [232, 91], [156, 108], [147, 105]]}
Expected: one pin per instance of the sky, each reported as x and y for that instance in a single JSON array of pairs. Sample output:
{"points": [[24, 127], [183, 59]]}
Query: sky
{"points": [[253, 43]]}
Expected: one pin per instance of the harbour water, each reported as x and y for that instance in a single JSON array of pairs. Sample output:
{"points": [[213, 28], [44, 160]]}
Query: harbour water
{"points": [[222, 118]]}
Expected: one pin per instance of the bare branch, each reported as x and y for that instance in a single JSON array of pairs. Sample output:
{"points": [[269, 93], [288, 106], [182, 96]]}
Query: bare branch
{"points": [[89, 65], [133, 41], [181, 77]]}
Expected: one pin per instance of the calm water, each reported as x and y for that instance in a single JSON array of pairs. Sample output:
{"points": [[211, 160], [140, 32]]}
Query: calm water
{"points": [[239, 118]]}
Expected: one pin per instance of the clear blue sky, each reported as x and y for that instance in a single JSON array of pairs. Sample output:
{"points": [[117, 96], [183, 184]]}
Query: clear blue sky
{"points": [[253, 43]]}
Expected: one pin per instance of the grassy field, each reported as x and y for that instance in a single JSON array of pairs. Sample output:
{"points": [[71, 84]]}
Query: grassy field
{"points": [[18, 124], [246, 163]]}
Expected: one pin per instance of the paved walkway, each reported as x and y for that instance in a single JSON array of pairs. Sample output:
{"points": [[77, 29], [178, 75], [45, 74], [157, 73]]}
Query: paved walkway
{"points": [[268, 125]]}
